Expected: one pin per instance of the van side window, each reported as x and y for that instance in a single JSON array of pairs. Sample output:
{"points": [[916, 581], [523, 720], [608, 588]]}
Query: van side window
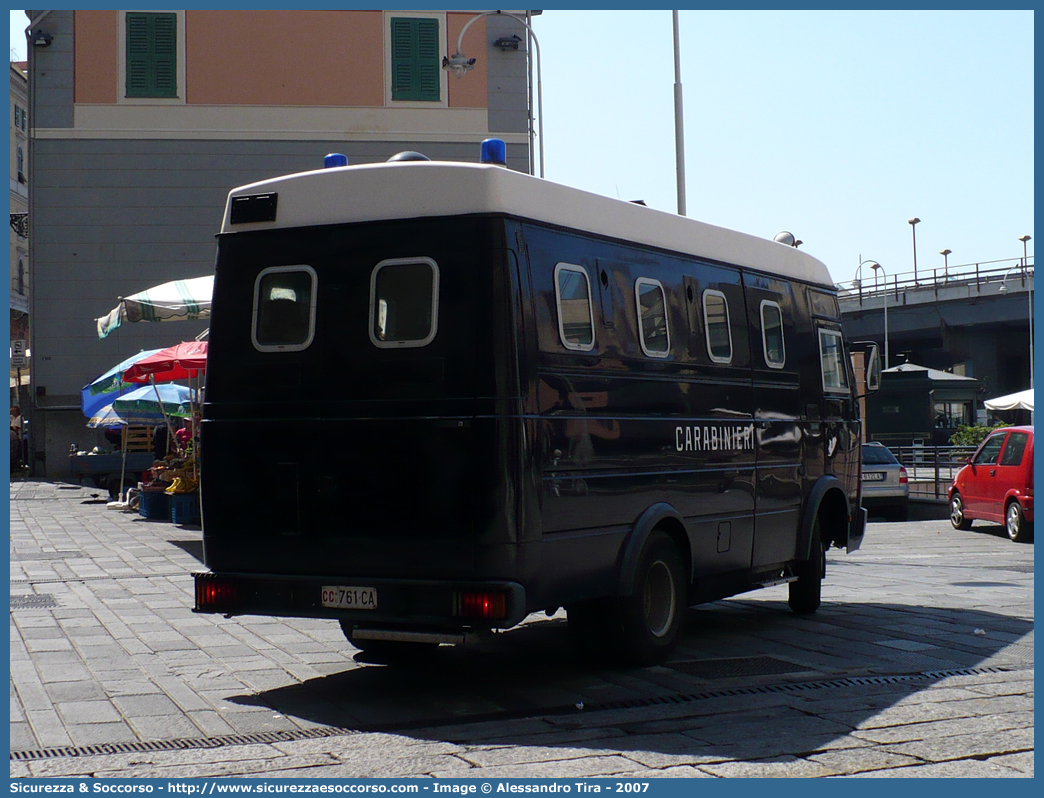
{"points": [[772, 334], [1014, 449], [575, 316], [832, 361], [652, 317], [404, 303], [716, 324], [284, 309]]}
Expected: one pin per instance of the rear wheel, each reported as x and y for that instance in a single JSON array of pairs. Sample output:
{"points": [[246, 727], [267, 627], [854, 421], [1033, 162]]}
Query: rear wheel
{"points": [[1019, 529], [957, 517], [651, 617], [806, 591]]}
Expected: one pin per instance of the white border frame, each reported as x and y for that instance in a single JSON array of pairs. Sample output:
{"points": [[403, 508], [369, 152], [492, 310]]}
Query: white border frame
{"points": [[412, 343], [782, 335], [572, 267], [820, 332], [300, 267], [706, 325], [443, 101], [121, 59], [666, 317]]}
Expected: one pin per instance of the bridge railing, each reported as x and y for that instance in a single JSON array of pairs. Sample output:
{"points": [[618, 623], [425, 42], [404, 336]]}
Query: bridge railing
{"points": [[982, 277]]}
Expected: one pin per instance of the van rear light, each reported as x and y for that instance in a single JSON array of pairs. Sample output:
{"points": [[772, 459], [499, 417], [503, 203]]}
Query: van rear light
{"points": [[489, 604], [214, 594], [903, 479]]}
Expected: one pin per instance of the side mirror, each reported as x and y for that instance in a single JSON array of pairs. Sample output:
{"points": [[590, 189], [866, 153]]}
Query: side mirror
{"points": [[871, 364]]}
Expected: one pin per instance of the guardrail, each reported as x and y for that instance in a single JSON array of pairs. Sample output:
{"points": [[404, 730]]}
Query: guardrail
{"points": [[931, 469], [978, 275]]}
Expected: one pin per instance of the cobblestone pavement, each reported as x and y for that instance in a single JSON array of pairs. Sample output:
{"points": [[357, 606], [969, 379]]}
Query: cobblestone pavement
{"points": [[919, 663]]}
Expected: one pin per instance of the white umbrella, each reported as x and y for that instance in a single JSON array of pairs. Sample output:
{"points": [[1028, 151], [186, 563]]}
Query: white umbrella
{"points": [[182, 300], [1023, 400]]}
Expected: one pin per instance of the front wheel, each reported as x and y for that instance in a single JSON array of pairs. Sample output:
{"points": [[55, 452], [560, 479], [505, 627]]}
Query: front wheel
{"points": [[806, 591], [651, 617], [957, 517], [1019, 529]]}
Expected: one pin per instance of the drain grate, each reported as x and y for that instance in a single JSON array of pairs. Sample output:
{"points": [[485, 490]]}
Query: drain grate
{"points": [[39, 601], [331, 731], [736, 666], [18, 556]]}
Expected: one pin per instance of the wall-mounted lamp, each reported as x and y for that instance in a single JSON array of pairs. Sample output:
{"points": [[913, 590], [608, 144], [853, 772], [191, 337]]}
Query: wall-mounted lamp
{"points": [[458, 64], [41, 38], [508, 42]]}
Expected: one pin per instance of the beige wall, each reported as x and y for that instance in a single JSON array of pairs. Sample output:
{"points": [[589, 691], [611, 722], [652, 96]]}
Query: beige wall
{"points": [[275, 58], [94, 79]]}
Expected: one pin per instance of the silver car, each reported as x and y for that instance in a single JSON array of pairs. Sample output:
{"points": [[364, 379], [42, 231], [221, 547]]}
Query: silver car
{"points": [[886, 487]]}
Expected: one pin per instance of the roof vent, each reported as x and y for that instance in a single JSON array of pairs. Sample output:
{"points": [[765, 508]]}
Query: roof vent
{"points": [[408, 155]]}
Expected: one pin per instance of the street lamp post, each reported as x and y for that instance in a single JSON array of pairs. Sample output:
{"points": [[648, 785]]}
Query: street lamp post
{"points": [[946, 262], [679, 134], [459, 64], [884, 297], [913, 227], [1029, 295]]}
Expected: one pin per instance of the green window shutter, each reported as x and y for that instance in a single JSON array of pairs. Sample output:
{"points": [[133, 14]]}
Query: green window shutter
{"points": [[152, 55], [415, 59]]}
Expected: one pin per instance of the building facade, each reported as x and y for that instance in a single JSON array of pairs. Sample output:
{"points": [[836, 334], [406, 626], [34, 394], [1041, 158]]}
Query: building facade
{"points": [[19, 121], [143, 121]]}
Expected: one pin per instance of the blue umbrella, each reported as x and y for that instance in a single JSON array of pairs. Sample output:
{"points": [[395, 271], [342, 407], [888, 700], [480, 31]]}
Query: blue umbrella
{"points": [[102, 391], [148, 404]]}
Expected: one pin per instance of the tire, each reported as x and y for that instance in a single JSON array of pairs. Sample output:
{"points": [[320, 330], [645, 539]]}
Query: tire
{"points": [[1019, 529], [806, 591], [651, 618], [957, 517], [387, 650]]}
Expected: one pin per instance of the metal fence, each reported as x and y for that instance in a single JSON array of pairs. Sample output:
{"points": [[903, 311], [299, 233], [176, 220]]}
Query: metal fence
{"points": [[985, 277], [931, 469]]}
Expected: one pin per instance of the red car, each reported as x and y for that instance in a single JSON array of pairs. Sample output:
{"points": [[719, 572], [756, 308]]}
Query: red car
{"points": [[997, 484]]}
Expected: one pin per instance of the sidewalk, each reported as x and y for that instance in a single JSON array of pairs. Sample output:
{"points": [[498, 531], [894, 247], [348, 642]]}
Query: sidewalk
{"points": [[920, 662]]}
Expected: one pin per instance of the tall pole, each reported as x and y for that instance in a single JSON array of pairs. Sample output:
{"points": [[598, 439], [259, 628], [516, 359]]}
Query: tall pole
{"points": [[1029, 296], [679, 134], [913, 226]]}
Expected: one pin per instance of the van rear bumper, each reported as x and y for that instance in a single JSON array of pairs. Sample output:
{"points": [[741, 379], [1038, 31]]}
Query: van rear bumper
{"points": [[419, 605]]}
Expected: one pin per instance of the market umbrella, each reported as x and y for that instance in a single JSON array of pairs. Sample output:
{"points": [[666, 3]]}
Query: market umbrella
{"points": [[104, 390], [183, 300], [179, 362], [1023, 400], [151, 404]]}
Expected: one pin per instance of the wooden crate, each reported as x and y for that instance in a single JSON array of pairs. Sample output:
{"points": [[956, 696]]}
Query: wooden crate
{"points": [[139, 439]]}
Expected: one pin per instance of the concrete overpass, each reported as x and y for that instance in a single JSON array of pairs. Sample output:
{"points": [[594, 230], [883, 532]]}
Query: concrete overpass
{"points": [[973, 321]]}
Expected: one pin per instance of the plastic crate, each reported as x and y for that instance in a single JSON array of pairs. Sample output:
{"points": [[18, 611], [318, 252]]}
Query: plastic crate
{"points": [[184, 508], [154, 504]]}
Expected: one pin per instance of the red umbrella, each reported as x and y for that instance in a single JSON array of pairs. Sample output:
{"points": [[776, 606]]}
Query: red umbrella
{"points": [[179, 362]]}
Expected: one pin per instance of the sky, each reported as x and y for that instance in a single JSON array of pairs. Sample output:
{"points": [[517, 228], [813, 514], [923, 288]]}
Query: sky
{"points": [[836, 126]]}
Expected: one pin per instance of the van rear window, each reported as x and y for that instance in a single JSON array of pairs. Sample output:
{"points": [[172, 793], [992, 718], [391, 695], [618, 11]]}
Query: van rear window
{"points": [[284, 309], [404, 302]]}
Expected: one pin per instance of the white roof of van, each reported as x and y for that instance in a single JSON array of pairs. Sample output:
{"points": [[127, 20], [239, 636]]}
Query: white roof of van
{"points": [[413, 189]]}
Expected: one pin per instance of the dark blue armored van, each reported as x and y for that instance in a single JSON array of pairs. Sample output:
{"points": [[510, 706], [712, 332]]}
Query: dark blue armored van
{"points": [[441, 396]]}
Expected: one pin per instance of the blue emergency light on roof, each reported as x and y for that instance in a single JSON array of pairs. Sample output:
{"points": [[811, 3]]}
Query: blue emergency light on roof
{"points": [[335, 159], [493, 151]]}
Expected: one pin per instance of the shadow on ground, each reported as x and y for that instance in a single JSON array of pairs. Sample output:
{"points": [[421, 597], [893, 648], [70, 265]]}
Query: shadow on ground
{"points": [[745, 706]]}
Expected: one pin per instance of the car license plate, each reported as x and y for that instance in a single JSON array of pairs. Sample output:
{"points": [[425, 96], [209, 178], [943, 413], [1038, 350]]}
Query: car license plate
{"points": [[350, 598], [873, 476]]}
